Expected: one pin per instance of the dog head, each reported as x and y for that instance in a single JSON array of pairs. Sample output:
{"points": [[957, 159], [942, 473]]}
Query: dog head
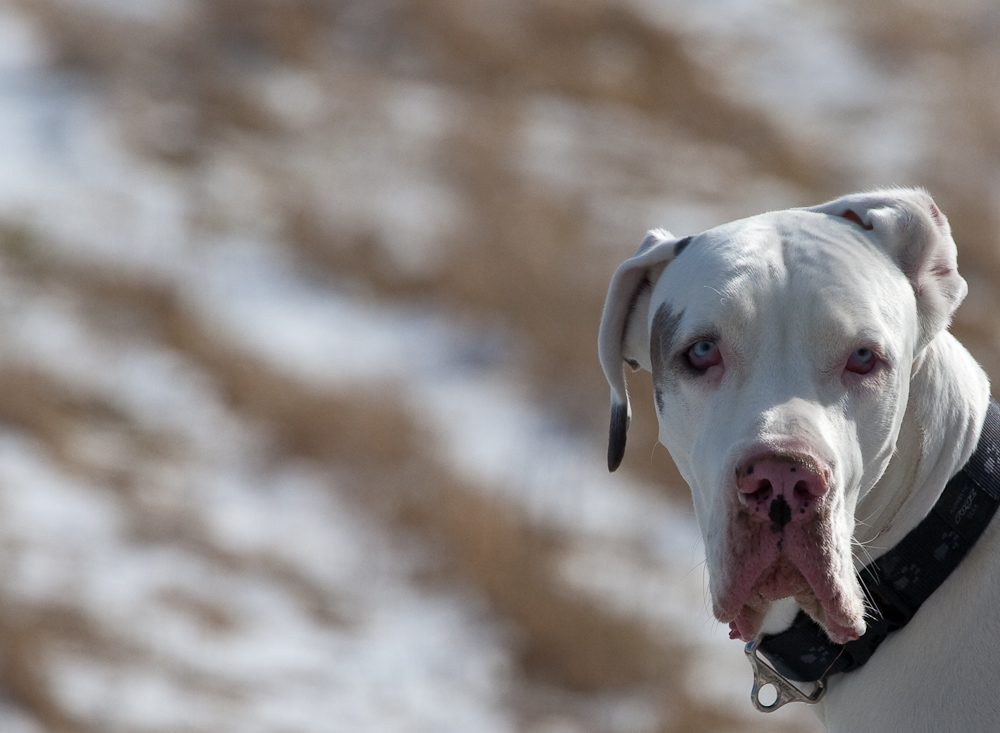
{"points": [[781, 348]]}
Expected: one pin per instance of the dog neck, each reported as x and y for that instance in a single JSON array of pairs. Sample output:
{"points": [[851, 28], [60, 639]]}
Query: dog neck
{"points": [[949, 393]]}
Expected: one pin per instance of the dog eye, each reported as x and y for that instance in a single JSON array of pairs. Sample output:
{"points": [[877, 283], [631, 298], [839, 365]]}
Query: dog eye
{"points": [[861, 361], [703, 355]]}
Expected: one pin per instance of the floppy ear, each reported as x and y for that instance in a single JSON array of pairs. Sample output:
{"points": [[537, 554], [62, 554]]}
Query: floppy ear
{"points": [[909, 226], [624, 335]]}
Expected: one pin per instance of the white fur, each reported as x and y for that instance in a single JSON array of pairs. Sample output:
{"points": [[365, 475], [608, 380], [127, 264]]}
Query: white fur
{"points": [[788, 296]]}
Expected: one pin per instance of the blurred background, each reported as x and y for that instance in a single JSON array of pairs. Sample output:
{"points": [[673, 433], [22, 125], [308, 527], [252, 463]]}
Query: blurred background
{"points": [[302, 426]]}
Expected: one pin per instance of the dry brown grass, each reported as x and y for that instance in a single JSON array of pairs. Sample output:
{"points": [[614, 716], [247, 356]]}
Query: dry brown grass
{"points": [[565, 639], [490, 545], [26, 634], [310, 423], [593, 50]]}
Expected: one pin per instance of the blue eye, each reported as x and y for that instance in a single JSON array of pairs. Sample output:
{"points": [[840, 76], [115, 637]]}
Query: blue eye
{"points": [[703, 355], [861, 361]]}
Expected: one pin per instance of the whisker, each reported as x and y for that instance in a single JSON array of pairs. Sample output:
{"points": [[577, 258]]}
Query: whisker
{"points": [[872, 609]]}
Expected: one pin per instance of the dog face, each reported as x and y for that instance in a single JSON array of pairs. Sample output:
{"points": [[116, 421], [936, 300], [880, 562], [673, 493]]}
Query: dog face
{"points": [[781, 348]]}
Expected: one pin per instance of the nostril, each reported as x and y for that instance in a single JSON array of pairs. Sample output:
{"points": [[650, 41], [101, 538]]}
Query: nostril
{"points": [[762, 493], [802, 491]]}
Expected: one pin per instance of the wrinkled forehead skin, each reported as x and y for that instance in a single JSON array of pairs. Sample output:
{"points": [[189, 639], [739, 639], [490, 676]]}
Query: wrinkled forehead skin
{"points": [[788, 296]]}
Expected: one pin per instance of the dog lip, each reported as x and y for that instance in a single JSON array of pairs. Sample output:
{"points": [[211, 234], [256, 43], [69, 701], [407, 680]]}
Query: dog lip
{"points": [[789, 564], [732, 603]]}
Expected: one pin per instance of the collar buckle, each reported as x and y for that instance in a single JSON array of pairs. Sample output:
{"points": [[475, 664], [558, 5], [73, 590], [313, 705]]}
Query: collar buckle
{"points": [[764, 675]]}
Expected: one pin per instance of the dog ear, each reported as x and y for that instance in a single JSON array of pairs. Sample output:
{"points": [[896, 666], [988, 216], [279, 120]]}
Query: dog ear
{"points": [[624, 335], [914, 232]]}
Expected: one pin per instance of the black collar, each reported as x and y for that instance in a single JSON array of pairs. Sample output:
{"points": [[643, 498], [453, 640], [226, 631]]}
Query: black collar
{"points": [[905, 576]]}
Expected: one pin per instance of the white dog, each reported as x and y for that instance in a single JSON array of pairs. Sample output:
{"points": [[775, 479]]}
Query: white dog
{"points": [[810, 395]]}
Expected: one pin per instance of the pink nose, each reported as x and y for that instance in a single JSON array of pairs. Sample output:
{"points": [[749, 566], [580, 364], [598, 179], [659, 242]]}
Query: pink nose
{"points": [[780, 489]]}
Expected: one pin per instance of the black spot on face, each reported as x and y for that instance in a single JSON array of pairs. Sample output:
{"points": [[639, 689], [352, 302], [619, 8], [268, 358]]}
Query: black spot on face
{"points": [[780, 514], [662, 337]]}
